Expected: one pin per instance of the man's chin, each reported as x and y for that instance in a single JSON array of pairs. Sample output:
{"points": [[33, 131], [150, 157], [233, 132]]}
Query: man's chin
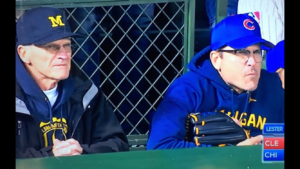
{"points": [[62, 76], [251, 87]]}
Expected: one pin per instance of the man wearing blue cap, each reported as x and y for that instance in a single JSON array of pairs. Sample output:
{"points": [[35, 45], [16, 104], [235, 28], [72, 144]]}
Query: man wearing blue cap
{"points": [[224, 77], [275, 60], [59, 112]]}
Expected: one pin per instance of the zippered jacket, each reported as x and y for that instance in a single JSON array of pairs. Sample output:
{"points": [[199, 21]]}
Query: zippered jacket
{"points": [[80, 112]]}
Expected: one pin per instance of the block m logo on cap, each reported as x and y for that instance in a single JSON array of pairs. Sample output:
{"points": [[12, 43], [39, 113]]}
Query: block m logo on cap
{"points": [[56, 21]]}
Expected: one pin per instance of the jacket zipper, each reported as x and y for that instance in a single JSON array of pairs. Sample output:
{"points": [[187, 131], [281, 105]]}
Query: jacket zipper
{"points": [[19, 127], [79, 120]]}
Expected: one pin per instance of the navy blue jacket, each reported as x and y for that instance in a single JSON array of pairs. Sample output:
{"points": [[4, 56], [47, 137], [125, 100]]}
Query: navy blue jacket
{"points": [[202, 89]]}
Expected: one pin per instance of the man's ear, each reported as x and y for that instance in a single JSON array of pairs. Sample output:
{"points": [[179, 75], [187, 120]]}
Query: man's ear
{"points": [[22, 50], [215, 59]]}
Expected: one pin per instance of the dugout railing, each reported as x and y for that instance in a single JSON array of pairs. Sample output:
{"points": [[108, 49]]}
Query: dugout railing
{"points": [[170, 47]]}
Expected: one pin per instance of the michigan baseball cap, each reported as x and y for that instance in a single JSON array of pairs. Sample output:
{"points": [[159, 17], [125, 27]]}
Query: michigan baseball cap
{"points": [[275, 57], [42, 25], [238, 31]]}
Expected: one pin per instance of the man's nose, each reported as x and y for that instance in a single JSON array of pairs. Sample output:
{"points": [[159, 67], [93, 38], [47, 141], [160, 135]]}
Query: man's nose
{"points": [[63, 53], [62, 56], [251, 60]]}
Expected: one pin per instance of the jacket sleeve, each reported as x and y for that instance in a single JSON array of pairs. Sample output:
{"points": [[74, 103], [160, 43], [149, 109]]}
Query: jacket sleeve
{"points": [[107, 134], [168, 123], [33, 153], [26, 142]]}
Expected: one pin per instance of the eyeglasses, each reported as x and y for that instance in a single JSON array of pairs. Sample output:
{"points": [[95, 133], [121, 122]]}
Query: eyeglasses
{"points": [[54, 48], [242, 55]]}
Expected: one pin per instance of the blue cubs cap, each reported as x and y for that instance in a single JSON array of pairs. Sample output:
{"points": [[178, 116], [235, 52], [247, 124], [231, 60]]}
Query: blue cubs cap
{"points": [[238, 31], [42, 25], [275, 57]]}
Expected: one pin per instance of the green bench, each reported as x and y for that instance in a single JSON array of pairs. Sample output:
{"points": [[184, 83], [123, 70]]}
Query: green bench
{"points": [[137, 142]]}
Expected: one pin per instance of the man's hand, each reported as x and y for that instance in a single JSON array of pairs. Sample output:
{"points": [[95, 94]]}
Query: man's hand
{"points": [[237, 122], [251, 141], [66, 148]]}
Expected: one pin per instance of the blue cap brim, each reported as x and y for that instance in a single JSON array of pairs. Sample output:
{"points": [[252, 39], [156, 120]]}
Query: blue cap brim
{"points": [[56, 36], [244, 42]]}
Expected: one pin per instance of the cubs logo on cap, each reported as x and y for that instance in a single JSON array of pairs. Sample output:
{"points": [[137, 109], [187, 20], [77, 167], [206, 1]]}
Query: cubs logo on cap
{"points": [[248, 24]]}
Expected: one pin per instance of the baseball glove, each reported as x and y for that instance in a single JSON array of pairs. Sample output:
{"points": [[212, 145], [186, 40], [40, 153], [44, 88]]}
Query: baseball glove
{"points": [[216, 129]]}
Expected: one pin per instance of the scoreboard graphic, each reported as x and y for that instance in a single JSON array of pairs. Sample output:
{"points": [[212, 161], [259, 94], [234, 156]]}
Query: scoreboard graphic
{"points": [[273, 143]]}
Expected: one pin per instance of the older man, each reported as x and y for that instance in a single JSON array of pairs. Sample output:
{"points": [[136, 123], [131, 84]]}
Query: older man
{"points": [[58, 111], [228, 80]]}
